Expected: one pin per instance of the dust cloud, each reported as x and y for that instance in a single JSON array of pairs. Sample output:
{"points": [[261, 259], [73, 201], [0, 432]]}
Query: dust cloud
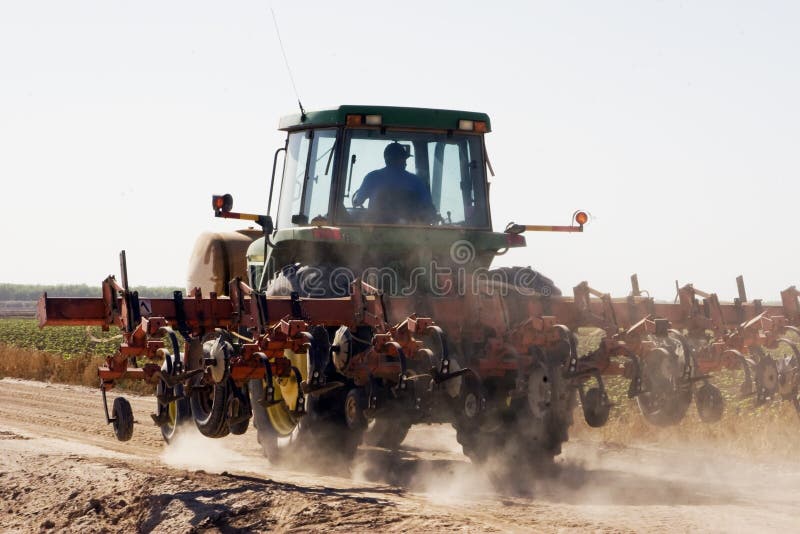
{"points": [[191, 450], [588, 473]]}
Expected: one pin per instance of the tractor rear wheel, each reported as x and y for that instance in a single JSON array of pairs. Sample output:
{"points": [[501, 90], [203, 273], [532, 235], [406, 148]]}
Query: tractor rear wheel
{"points": [[321, 437], [174, 413]]}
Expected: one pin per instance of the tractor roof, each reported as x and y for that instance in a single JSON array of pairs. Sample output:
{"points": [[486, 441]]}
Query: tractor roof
{"points": [[445, 119]]}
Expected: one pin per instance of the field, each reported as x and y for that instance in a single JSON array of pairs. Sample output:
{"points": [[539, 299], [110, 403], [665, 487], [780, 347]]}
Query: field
{"points": [[61, 354], [65, 341], [625, 477]]}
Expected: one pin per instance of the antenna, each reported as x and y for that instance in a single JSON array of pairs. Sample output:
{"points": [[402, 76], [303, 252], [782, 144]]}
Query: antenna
{"points": [[288, 68]]}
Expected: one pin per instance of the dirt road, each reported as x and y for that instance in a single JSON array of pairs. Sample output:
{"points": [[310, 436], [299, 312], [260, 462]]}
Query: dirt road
{"points": [[62, 469]]}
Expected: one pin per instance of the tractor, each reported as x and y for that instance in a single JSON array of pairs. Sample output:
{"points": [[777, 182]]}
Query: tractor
{"points": [[502, 381], [365, 303]]}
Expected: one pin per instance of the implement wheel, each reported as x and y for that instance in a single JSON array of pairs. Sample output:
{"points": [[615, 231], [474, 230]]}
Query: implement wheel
{"points": [[209, 392], [510, 448], [209, 403], [354, 404], [710, 404], [595, 409], [240, 415], [666, 393], [122, 416], [518, 438], [766, 377], [386, 432]]}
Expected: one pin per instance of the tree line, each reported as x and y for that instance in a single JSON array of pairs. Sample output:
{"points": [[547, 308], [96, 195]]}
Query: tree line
{"points": [[34, 291]]}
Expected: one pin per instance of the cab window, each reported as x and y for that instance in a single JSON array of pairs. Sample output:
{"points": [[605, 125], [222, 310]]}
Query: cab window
{"points": [[449, 166], [307, 175]]}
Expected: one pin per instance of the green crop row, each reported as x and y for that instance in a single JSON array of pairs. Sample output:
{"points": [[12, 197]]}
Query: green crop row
{"points": [[67, 341]]}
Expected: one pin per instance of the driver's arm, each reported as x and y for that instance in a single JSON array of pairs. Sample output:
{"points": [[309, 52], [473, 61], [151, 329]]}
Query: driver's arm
{"points": [[365, 191]]}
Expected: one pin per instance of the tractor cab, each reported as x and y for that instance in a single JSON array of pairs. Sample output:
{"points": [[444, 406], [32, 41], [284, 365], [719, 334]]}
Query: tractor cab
{"points": [[435, 175]]}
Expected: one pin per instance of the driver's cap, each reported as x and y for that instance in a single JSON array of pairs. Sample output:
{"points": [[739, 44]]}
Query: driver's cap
{"points": [[395, 151]]}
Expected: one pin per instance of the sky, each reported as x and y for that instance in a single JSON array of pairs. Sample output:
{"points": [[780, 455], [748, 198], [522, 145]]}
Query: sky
{"points": [[675, 124]]}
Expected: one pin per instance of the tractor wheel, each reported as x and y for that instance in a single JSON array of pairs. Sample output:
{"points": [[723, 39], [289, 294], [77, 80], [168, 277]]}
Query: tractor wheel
{"points": [[174, 414], [277, 425], [710, 404], [475, 428], [322, 435], [664, 409], [122, 414], [327, 423], [526, 281]]}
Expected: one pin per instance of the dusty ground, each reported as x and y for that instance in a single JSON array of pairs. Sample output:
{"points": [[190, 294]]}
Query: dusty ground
{"points": [[62, 469]]}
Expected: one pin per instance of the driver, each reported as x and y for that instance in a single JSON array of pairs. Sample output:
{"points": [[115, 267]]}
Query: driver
{"points": [[395, 195]]}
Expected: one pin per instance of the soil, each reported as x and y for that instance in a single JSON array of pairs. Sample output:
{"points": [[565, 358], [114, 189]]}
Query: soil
{"points": [[61, 469]]}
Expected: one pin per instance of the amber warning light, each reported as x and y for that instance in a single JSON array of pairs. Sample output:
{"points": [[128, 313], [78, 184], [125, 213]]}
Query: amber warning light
{"points": [[222, 203]]}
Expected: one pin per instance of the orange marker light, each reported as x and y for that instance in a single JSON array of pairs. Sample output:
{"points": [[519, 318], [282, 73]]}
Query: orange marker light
{"points": [[581, 218], [222, 203]]}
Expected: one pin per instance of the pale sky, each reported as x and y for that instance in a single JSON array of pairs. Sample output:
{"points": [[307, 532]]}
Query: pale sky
{"points": [[676, 124]]}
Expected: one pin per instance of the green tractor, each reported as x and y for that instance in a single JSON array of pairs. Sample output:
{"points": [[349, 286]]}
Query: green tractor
{"points": [[398, 198]]}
